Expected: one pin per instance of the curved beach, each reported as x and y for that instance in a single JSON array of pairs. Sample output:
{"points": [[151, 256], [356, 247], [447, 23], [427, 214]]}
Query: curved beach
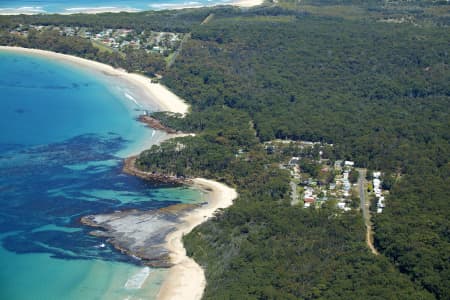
{"points": [[32, 10], [186, 279], [150, 93]]}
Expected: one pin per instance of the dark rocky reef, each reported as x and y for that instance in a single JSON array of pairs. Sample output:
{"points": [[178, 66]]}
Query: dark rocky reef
{"points": [[156, 124], [129, 167], [140, 234]]}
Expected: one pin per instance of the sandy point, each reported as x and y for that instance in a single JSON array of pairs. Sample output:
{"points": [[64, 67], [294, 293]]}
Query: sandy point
{"points": [[186, 279]]}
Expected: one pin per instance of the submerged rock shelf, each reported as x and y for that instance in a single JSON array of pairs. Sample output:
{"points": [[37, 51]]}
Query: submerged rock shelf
{"points": [[140, 234]]}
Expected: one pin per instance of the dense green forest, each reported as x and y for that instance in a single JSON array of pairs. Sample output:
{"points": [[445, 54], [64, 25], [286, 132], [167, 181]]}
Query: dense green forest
{"points": [[379, 91], [175, 21], [261, 247], [132, 60], [370, 78], [370, 88]]}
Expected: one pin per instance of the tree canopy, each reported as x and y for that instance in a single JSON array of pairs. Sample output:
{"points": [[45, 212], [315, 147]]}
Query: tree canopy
{"points": [[369, 77]]}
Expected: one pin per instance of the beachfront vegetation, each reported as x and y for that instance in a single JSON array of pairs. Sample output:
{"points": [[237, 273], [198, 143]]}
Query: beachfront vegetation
{"points": [[132, 60], [132, 41], [370, 78], [378, 91], [174, 21]]}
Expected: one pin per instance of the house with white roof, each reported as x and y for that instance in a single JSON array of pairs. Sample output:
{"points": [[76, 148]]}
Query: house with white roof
{"points": [[349, 163]]}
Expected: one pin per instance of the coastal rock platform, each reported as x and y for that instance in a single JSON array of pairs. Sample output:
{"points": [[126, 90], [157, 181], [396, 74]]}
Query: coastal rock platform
{"points": [[140, 234], [129, 167], [156, 124]]}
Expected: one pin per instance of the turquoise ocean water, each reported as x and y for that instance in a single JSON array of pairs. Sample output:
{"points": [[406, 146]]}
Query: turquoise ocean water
{"points": [[63, 6], [63, 132]]}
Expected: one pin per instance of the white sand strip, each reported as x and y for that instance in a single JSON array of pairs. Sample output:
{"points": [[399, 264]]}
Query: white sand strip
{"points": [[98, 10], [186, 279], [32, 10], [247, 3], [154, 93], [178, 6]]}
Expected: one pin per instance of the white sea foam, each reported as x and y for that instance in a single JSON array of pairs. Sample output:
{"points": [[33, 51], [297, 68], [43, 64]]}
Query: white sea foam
{"points": [[99, 9], [175, 5], [137, 280], [132, 99], [27, 10], [90, 8]]}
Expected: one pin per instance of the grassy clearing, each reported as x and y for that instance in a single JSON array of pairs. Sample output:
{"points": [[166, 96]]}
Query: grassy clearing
{"points": [[102, 47]]}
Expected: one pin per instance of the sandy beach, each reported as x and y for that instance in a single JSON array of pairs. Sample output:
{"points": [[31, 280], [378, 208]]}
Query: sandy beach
{"points": [[98, 10], [176, 6], [186, 279], [32, 10], [247, 3], [151, 93]]}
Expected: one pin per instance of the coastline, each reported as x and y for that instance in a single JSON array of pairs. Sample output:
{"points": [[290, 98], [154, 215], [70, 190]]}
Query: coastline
{"points": [[151, 93], [130, 168], [113, 9], [186, 279], [237, 3], [247, 3]]}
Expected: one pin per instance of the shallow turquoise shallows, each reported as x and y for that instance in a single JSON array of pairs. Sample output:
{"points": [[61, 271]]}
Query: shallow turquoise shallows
{"points": [[63, 134]]}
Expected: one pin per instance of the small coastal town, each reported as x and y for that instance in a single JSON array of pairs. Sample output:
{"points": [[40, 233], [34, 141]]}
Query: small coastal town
{"points": [[317, 179], [114, 39]]}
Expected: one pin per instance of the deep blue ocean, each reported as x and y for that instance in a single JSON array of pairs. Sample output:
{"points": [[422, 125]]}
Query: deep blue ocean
{"points": [[63, 133], [70, 6]]}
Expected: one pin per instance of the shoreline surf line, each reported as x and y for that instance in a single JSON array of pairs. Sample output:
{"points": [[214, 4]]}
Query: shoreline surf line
{"points": [[186, 279], [33, 10], [151, 93]]}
